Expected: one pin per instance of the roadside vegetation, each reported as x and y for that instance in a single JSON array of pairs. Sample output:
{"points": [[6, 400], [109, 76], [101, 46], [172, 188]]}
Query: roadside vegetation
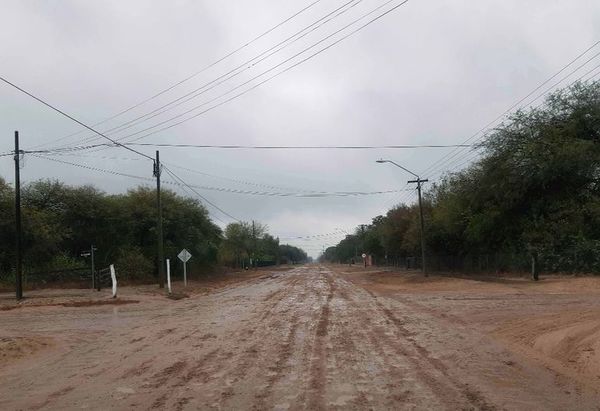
{"points": [[533, 195], [60, 222]]}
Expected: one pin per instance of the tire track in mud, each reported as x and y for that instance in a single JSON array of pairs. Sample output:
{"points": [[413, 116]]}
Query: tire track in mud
{"points": [[318, 367], [379, 345], [270, 322], [474, 397], [453, 392], [281, 364], [222, 369], [358, 349]]}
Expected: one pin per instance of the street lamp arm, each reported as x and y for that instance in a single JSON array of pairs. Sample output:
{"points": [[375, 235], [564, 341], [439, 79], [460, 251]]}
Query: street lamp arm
{"points": [[398, 165]]}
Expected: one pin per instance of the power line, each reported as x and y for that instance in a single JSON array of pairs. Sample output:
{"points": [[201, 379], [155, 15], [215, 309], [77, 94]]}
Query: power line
{"points": [[237, 181], [171, 87], [279, 73], [271, 69], [315, 236], [471, 156], [175, 176], [450, 162], [72, 118], [184, 189], [247, 65], [259, 147], [322, 194], [316, 147], [455, 152], [101, 170]]}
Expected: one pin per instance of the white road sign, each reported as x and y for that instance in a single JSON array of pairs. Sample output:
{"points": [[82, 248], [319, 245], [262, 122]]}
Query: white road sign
{"points": [[184, 255]]}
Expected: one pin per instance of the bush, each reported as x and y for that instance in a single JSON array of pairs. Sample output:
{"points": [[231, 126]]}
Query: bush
{"points": [[133, 265]]}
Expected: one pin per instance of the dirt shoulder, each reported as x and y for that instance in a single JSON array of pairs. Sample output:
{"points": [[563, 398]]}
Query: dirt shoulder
{"points": [[130, 294], [554, 322]]}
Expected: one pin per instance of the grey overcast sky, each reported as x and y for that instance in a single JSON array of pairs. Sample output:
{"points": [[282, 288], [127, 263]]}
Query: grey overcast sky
{"points": [[430, 72]]}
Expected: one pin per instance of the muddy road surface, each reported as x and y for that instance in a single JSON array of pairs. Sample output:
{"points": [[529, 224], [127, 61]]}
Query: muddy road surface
{"points": [[309, 338]]}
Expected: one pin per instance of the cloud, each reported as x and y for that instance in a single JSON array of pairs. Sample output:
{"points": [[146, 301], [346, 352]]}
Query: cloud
{"points": [[426, 73]]}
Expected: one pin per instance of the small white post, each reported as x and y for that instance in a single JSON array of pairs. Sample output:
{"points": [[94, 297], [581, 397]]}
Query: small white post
{"points": [[169, 275], [113, 277], [185, 274]]}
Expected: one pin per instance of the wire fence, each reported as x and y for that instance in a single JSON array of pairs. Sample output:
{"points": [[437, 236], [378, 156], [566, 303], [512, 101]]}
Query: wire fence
{"points": [[567, 262], [479, 263], [78, 276]]}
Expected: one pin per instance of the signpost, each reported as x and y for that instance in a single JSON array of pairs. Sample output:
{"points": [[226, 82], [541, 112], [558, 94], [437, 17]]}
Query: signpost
{"points": [[91, 254], [184, 256]]}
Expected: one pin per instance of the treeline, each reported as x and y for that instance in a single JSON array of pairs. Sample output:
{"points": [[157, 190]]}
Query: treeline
{"points": [[60, 222], [533, 195], [249, 244]]}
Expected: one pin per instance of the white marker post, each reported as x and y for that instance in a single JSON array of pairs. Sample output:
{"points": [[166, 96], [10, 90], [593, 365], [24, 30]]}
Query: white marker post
{"points": [[113, 277], [169, 275], [184, 256]]}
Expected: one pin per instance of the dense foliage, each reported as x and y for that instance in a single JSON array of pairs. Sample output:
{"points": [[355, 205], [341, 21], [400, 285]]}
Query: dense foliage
{"points": [[534, 193], [60, 222], [249, 244]]}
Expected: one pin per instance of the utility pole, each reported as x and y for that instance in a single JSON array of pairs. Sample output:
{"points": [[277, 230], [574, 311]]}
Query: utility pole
{"points": [[159, 225], [419, 182], [254, 244], [92, 249], [19, 253]]}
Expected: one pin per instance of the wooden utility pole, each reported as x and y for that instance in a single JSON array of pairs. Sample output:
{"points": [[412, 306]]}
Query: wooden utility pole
{"points": [[159, 224], [254, 245], [419, 181], [19, 248], [94, 279]]}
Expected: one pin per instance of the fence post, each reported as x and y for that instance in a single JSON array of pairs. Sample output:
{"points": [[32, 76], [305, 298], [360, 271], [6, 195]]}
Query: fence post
{"points": [[113, 277], [169, 275]]}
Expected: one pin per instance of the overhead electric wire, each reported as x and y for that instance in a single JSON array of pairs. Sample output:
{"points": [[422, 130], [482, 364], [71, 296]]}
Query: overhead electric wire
{"points": [[451, 156], [453, 153], [311, 147], [337, 232], [471, 157], [242, 192], [237, 181], [279, 73], [171, 87], [187, 193], [449, 162], [101, 170], [259, 147], [247, 65], [345, 36], [173, 175], [71, 117]]}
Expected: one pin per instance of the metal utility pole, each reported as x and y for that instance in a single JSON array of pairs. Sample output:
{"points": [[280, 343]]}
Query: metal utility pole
{"points": [[19, 251], [159, 225], [92, 249], [419, 181], [254, 245]]}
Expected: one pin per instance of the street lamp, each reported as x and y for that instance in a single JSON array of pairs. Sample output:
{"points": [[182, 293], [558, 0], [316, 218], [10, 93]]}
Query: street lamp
{"points": [[418, 181]]}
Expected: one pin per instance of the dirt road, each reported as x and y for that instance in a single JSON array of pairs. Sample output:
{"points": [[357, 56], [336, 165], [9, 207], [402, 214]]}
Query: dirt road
{"points": [[310, 338]]}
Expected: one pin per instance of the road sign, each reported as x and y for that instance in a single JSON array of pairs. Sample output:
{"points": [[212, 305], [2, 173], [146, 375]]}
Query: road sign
{"points": [[184, 255]]}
